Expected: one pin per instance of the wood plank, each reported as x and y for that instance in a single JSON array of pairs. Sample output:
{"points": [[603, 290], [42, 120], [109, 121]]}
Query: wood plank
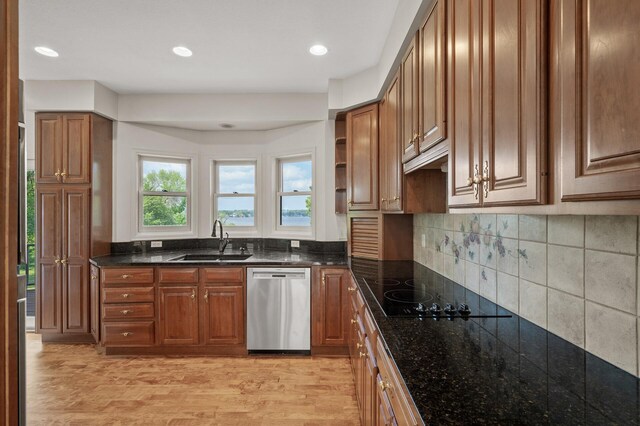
{"points": [[186, 390]]}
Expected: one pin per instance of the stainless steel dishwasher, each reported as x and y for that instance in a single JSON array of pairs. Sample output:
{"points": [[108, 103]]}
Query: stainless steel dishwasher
{"points": [[279, 310]]}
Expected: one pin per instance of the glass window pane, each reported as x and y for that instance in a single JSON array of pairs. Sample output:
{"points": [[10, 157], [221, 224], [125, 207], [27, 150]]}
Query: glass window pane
{"points": [[236, 211], [295, 210], [296, 176], [164, 176], [237, 178], [159, 210]]}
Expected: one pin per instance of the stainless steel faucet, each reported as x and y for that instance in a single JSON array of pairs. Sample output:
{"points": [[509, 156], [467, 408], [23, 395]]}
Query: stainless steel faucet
{"points": [[223, 241]]}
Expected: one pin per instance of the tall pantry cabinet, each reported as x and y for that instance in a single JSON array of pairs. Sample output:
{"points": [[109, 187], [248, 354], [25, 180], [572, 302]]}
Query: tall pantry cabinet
{"points": [[73, 210]]}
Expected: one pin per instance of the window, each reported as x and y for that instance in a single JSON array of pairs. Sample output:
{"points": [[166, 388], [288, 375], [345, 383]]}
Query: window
{"points": [[295, 186], [164, 194], [235, 193]]}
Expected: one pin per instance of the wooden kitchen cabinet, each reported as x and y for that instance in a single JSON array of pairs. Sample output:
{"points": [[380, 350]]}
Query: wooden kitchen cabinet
{"points": [[73, 209], [330, 311], [409, 102], [362, 158], [64, 148], [595, 98], [178, 315], [369, 384], [497, 102], [223, 313], [94, 304]]}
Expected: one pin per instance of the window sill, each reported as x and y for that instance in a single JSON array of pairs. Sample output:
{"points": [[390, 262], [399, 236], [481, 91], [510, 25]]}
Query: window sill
{"points": [[160, 235]]}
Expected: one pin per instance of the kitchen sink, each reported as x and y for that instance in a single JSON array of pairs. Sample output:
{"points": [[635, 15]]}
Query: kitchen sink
{"points": [[209, 257]]}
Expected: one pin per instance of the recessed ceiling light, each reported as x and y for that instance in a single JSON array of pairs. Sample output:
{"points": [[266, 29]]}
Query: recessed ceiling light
{"points": [[182, 51], [46, 51], [318, 50]]}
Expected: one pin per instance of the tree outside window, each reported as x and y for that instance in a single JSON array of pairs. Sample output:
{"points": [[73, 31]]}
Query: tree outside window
{"points": [[295, 192]]}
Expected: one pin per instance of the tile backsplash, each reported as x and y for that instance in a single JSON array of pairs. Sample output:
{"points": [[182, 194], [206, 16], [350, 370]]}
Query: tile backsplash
{"points": [[576, 276]]}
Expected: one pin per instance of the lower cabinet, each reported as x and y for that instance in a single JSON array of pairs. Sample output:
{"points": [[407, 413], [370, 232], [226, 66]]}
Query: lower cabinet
{"points": [[223, 314], [94, 305], [178, 315], [330, 311]]}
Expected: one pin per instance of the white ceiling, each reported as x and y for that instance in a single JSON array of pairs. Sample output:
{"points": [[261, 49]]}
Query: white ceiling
{"points": [[255, 125], [239, 46]]}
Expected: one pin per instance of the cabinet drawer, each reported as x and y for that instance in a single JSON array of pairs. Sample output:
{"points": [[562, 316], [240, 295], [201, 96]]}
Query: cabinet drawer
{"points": [[129, 311], [128, 275], [128, 294], [223, 275], [370, 326], [139, 333], [178, 275], [393, 387]]}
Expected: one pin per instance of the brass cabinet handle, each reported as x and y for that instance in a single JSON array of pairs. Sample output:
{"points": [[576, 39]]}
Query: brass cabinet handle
{"points": [[363, 354], [359, 345], [351, 289], [57, 261], [350, 203], [125, 312], [127, 333], [63, 261], [94, 277], [353, 321], [383, 385], [206, 296], [57, 175], [485, 179], [63, 175], [193, 294], [125, 295], [416, 137], [396, 198], [125, 276]]}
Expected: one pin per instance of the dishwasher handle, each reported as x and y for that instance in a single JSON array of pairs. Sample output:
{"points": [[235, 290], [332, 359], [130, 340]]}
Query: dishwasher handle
{"points": [[279, 274]]}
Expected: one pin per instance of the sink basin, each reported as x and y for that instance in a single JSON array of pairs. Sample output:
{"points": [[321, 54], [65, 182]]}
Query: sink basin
{"points": [[210, 257]]}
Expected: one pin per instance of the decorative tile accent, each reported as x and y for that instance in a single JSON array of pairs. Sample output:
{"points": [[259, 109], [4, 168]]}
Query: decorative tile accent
{"points": [[507, 250], [611, 335], [532, 228], [459, 272], [507, 225], [488, 284], [565, 316], [610, 279], [566, 230], [508, 291], [533, 262], [612, 233], [533, 302], [566, 269]]}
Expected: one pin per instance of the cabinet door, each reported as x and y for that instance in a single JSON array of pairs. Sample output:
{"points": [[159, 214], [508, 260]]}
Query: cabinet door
{"points": [[409, 89], [385, 415], [464, 100], [48, 148], [75, 261], [597, 72], [362, 158], [330, 307], [49, 252], [76, 147], [178, 320], [514, 139], [431, 78], [370, 374], [223, 315], [391, 161], [94, 293]]}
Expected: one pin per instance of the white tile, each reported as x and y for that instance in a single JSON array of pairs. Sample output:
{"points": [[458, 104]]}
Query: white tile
{"points": [[437, 220], [533, 262], [507, 255], [508, 292], [448, 267], [488, 252], [533, 303], [565, 317], [472, 277], [617, 234], [488, 284], [457, 248], [532, 228], [610, 279], [612, 335], [473, 250], [438, 236], [459, 271], [566, 269], [447, 222], [460, 223], [488, 224], [566, 230], [507, 225], [438, 262]]}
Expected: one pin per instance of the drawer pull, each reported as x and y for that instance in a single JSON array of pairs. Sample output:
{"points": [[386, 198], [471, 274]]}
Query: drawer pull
{"points": [[363, 354], [383, 385], [358, 345], [126, 276], [125, 295], [127, 333], [206, 296], [193, 294], [94, 277], [353, 321], [125, 311], [351, 289]]}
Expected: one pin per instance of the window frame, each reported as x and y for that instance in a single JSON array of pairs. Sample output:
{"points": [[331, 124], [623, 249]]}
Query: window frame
{"points": [[215, 194], [296, 158], [169, 229]]}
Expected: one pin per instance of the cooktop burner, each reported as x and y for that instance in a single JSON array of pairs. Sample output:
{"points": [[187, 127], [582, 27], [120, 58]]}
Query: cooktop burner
{"points": [[387, 282], [407, 296]]}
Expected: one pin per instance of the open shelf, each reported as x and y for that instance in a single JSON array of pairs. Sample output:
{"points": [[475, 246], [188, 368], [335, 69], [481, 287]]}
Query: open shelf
{"points": [[341, 164]]}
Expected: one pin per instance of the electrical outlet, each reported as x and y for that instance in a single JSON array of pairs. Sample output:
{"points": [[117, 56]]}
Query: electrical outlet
{"points": [[295, 244], [423, 241], [156, 244]]}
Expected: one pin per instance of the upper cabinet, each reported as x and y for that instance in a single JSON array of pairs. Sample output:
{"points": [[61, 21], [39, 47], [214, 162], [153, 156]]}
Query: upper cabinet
{"points": [[431, 77], [64, 144], [497, 102], [596, 64], [390, 149], [409, 101], [362, 158]]}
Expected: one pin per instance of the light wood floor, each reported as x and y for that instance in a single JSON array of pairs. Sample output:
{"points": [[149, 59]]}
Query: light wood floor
{"points": [[72, 384]]}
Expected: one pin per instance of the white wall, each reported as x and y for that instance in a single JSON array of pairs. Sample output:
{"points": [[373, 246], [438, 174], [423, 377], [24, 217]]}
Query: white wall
{"points": [[203, 148]]}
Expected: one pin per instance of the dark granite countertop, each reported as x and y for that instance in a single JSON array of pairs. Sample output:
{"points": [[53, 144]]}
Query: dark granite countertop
{"points": [[258, 257], [494, 370]]}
